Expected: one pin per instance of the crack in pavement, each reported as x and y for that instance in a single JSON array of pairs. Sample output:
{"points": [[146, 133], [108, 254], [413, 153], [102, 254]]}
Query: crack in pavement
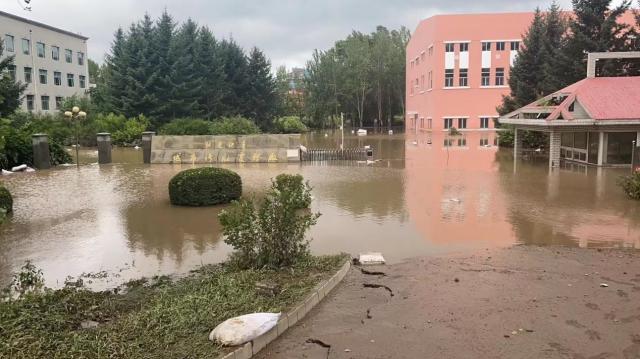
{"points": [[372, 285]]}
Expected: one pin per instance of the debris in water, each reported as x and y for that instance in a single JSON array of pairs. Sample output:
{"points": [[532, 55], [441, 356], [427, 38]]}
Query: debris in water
{"points": [[347, 350], [604, 285], [514, 333]]}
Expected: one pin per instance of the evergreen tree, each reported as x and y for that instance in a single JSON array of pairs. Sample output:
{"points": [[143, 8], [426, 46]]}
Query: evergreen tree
{"points": [[595, 28], [10, 90], [262, 100], [237, 80], [162, 64], [556, 26], [140, 98], [186, 81], [526, 73], [116, 74], [210, 66]]}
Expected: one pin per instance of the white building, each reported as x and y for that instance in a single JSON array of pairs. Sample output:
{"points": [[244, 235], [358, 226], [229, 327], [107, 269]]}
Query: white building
{"points": [[51, 61]]}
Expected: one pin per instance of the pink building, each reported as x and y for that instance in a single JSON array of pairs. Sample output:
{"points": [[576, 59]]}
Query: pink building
{"points": [[457, 69]]}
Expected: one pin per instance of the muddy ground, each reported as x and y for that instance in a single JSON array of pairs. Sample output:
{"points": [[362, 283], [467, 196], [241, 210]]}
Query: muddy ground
{"points": [[520, 302]]}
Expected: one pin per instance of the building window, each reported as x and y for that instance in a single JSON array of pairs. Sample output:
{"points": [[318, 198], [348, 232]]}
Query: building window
{"points": [[417, 61], [430, 80], [26, 46], [57, 78], [486, 46], [515, 45], [448, 123], [70, 80], [500, 46], [462, 142], [55, 53], [80, 58], [68, 55], [43, 76], [429, 123], [83, 82], [30, 102], [44, 102], [9, 43], [58, 102], [500, 76], [411, 63], [448, 78], [464, 47], [449, 47], [27, 75], [40, 49], [12, 72], [464, 79], [422, 122], [430, 50], [462, 123], [484, 142], [486, 77], [484, 122]]}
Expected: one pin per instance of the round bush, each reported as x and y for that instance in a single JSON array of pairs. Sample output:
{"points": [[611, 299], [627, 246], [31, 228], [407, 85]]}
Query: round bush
{"points": [[6, 201], [204, 187]]}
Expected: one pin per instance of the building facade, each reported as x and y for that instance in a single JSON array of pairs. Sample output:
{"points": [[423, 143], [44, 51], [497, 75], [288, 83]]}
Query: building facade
{"points": [[458, 69], [51, 61]]}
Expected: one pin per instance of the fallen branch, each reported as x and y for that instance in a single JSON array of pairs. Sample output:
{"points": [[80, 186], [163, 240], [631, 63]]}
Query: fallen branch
{"points": [[371, 285]]}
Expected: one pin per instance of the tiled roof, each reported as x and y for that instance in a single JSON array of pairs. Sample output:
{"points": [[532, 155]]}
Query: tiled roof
{"points": [[608, 98]]}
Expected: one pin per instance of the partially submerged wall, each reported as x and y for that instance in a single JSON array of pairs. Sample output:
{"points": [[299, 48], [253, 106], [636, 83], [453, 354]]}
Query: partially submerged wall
{"points": [[225, 149]]}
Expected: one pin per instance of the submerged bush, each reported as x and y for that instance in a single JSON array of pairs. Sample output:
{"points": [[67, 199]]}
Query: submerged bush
{"points": [[631, 185], [290, 124], [6, 203], [205, 186], [271, 233], [222, 126]]}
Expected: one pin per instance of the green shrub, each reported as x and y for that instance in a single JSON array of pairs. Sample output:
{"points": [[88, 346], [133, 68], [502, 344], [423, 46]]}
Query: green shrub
{"points": [[16, 147], [204, 187], [290, 124], [270, 233], [234, 126], [299, 192], [631, 185], [6, 203], [124, 131], [186, 126], [530, 139]]}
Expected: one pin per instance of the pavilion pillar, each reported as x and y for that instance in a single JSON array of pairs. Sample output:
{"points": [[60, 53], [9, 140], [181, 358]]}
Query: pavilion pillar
{"points": [[517, 143], [601, 145], [554, 149]]}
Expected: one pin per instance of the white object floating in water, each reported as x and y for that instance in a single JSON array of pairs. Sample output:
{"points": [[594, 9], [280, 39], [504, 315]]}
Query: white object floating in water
{"points": [[243, 329], [415, 143], [367, 147], [539, 150], [362, 132], [136, 148], [6, 173], [19, 168], [371, 258], [303, 148], [391, 132], [326, 135], [352, 132], [456, 200]]}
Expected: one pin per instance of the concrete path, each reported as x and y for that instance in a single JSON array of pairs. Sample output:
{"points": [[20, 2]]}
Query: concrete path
{"points": [[522, 302]]}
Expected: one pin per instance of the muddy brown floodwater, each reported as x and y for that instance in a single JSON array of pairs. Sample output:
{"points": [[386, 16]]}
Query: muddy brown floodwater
{"points": [[427, 195]]}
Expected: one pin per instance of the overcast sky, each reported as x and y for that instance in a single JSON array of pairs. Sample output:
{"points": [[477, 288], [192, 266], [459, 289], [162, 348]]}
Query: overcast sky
{"points": [[286, 30]]}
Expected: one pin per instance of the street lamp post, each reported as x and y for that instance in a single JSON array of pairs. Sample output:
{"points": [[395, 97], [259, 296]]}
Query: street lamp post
{"points": [[76, 115]]}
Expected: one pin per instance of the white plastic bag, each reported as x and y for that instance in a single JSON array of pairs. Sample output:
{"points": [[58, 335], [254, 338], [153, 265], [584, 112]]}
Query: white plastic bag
{"points": [[243, 329]]}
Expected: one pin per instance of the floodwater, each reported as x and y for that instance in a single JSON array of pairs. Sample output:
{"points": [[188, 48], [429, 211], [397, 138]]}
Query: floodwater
{"points": [[426, 195]]}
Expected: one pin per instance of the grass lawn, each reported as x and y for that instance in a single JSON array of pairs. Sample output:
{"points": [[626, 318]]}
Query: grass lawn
{"points": [[158, 318]]}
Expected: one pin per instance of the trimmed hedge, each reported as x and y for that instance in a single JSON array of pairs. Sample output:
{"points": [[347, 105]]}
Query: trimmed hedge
{"points": [[6, 201], [205, 186]]}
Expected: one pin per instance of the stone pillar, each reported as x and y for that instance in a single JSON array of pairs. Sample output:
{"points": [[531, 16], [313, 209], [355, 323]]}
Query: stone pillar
{"points": [[517, 143], [104, 147], [41, 157], [146, 146], [554, 149]]}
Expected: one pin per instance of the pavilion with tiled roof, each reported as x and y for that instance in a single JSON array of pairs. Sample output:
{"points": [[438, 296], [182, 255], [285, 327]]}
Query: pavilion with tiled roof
{"points": [[594, 121]]}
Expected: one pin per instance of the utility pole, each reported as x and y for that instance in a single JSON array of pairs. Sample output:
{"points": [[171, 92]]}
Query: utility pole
{"points": [[342, 131]]}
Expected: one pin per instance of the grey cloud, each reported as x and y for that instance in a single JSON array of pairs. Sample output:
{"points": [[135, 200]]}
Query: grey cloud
{"points": [[287, 30]]}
